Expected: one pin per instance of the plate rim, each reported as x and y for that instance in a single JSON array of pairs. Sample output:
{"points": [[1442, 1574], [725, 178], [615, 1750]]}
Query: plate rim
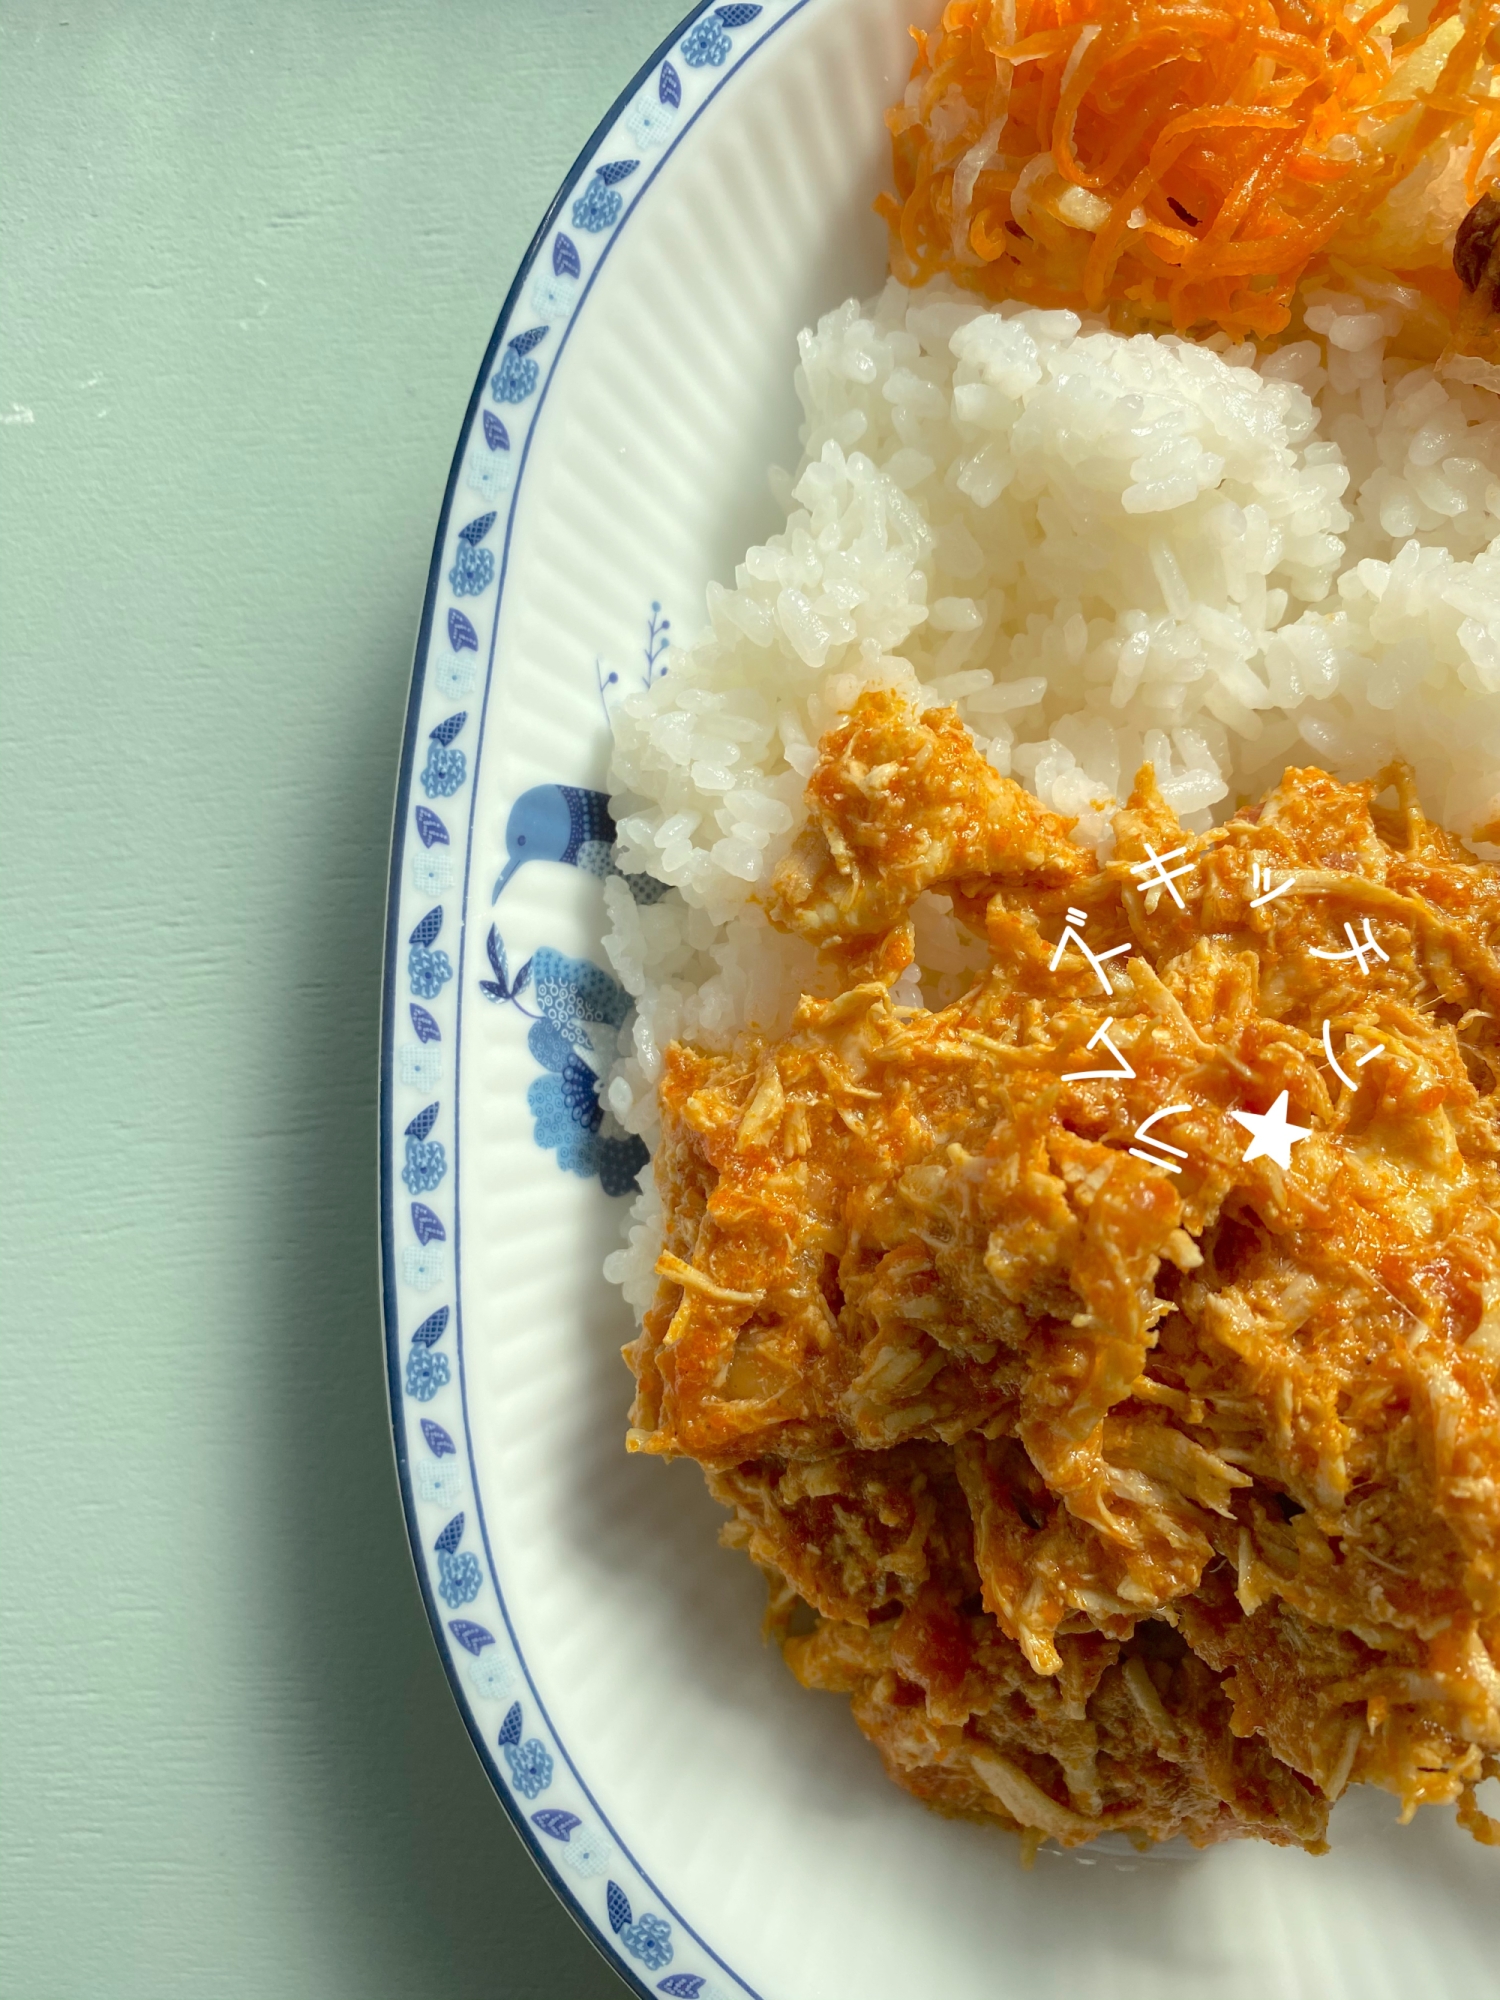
{"points": [[570, 1899], [588, 1921]]}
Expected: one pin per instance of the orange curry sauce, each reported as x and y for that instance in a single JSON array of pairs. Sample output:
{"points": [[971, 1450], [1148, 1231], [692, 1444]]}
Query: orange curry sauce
{"points": [[1116, 1497]]}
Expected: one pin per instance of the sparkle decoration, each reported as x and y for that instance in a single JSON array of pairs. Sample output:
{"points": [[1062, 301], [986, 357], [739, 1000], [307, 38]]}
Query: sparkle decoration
{"points": [[1272, 1133]]}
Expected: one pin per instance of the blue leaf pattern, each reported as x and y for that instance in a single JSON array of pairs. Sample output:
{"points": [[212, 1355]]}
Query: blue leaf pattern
{"points": [[473, 1638], [494, 946], [431, 1330], [565, 257], [682, 1985], [439, 1443], [428, 1226], [571, 997]]}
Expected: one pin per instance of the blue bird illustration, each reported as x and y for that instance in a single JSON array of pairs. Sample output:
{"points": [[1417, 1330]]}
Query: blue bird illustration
{"points": [[568, 824]]}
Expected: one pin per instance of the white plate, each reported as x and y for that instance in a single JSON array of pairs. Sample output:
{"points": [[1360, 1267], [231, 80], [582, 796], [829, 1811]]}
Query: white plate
{"points": [[719, 1830]]}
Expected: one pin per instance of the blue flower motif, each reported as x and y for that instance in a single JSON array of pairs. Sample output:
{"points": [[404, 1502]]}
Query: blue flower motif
{"points": [[426, 1163], [574, 995], [423, 1265], [705, 42], [459, 1577], [650, 119], [428, 971], [456, 675], [426, 1373], [492, 1674], [552, 1050], [446, 766], [431, 871], [440, 1481], [492, 473], [421, 1067], [598, 207], [567, 1116], [515, 378], [530, 1767], [553, 294], [587, 1853], [648, 1941], [472, 570]]}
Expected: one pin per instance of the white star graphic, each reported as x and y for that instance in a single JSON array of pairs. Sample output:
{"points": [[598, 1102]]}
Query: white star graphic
{"points": [[1272, 1133]]}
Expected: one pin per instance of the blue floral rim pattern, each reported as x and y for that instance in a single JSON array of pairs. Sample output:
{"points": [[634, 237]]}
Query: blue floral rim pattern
{"points": [[648, 1941]]}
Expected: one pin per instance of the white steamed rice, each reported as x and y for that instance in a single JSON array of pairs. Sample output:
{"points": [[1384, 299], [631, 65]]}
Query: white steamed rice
{"points": [[1105, 551]]}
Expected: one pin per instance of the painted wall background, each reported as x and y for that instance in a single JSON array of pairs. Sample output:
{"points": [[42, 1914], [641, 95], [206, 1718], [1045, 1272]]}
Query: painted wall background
{"points": [[252, 251]]}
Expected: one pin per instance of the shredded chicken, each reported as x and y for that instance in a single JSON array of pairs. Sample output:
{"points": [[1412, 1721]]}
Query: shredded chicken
{"points": [[1156, 1489]]}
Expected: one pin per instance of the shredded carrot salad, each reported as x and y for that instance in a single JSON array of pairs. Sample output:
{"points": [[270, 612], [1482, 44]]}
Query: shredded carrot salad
{"points": [[1180, 163]]}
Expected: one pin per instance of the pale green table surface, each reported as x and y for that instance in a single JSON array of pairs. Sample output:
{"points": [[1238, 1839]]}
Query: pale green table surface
{"points": [[252, 252]]}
